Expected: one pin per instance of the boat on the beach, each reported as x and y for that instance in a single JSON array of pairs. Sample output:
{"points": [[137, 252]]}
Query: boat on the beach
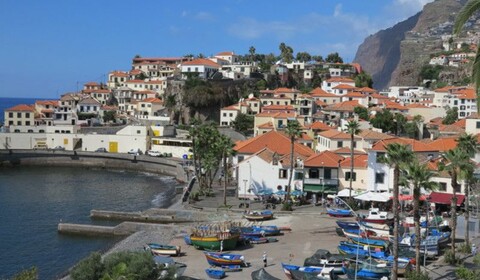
{"points": [[339, 213], [215, 273], [348, 225], [259, 216], [366, 251], [219, 259], [374, 243], [257, 240], [231, 268], [187, 239], [323, 258], [224, 241], [378, 217], [161, 249], [325, 274], [267, 230], [262, 274], [364, 270]]}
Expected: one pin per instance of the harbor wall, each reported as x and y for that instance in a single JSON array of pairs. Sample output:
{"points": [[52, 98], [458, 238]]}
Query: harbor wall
{"points": [[53, 158]]}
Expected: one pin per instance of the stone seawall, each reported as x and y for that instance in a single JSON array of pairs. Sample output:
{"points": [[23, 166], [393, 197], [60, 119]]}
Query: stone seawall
{"points": [[54, 158]]}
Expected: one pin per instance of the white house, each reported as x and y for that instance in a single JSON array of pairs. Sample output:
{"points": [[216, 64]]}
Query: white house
{"points": [[329, 84], [204, 68]]}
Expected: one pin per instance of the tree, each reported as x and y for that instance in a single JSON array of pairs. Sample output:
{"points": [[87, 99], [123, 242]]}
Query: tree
{"points": [[90, 268], [384, 121], [467, 11], [362, 112], [418, 175], [334, 58], [243, 123], [28, 274], [451, 117], [251, 50], [399, 123], [363, 80], [454, 161], [286, 53], [109, 116], [468, 143], [397, 156], [225, 146], [293, 130], [304, 56], [430, 72], [317, 58], [352, 128]]}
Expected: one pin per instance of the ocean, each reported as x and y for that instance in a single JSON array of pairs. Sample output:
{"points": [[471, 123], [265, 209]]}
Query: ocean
{"points": [[7, 102], [33, 200]]}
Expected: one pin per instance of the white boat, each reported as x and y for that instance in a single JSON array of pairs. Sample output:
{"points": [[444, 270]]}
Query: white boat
{"points": [[376, 216]]}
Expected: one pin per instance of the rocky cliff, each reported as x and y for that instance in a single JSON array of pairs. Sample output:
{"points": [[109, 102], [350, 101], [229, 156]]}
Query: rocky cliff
{"points": [[394, 56]]}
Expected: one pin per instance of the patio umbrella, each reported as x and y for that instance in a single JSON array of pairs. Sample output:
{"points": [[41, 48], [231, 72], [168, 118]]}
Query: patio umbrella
{"points": [[297, 192], [281, 192], [264, 192]]}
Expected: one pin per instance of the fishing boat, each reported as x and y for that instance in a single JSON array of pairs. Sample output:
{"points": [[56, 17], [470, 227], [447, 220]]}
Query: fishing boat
{"points": [[363, 270], [259, 216], [378, 217], [262, 274], [214, 243], [339, 213], [218, 259], [348, 225], [267, 230], [287, 268], [365, 251], [257, 240], [231, 268], [187, 239], [160, 249], [374, 243], [215, 273], [163, 264], [324, 258]]}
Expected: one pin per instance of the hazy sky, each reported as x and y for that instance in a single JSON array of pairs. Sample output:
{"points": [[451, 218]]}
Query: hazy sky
{"points": [[47, 47]]}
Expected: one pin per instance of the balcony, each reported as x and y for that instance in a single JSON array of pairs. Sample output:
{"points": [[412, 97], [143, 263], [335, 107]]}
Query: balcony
{"points": [[320, 185], [320, 181]]}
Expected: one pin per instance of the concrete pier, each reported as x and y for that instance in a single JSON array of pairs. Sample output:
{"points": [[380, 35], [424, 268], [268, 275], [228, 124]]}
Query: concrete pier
{"points": [[138, 217], [123, 229]]}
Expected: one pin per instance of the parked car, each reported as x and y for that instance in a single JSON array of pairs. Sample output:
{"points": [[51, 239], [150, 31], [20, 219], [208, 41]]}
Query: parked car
{"points": [[153, 153], [59, 148], [135, 151], [101, 150]]}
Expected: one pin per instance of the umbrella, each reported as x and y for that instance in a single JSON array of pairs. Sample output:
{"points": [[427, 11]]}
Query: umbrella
{"points": [[373, 196], [297, 192], [281, 192], [264, 192]]}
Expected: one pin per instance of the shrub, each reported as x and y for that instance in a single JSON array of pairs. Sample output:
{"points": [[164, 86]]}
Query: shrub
{"points": [[413, 275], [29, 274], [450, 258], [140, 264], [287, 206], [467, 274], [90, 268], [464, 248]]}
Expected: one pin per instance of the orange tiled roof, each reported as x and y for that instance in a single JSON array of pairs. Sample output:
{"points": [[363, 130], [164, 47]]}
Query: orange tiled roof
{"points": [[47, 102], [346, 151], [460, 123], [366, 90], [415, 105], [286, 90], [278, 107], [323, 159], [467, 94], [393, 105], [267, 125], [344, 86], [91, 84], [276, 115], [335, 134], [320, 103], [119, 74], [225, 53], [321, 93], [359, 161], [415, 145], [320, 126], [202, 61], [340, 80], [275, 141], [378, 96], [355, 94], [369, 134], [445, 89], [346, 106], [21, 108], [444, 144], [135, 82], [152, 100]]}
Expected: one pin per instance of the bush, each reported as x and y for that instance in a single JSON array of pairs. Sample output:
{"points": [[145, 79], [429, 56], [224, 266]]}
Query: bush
{"points": [[450, 258], [413, 275], [467, 274], [463, 248], [287, 206], [29, 274], [90, 268], [140, 264]]}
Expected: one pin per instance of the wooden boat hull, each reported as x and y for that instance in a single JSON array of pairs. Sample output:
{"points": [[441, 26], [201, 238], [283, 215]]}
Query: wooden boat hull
{"points": [[378, 221], [221, 260], [160, 249], [213, 243], [258, 217]]}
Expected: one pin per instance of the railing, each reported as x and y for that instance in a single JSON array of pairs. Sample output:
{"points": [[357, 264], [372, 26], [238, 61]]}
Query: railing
{"points": [[321, 181]]}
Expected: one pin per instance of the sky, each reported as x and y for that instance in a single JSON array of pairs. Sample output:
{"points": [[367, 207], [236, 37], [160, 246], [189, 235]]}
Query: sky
{"points": [[51, 47]]}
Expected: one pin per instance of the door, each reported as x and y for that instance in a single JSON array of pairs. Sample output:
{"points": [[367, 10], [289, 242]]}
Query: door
{"points": [[113, 147]]}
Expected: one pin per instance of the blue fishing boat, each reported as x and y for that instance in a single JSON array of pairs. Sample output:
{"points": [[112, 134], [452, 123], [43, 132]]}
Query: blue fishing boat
{"points": [[215, 273], [348, 225], [289, 267], [267, 230], [366, 251], [376, 243], [364, 270], [339, 213], [218, 259], [187, 239]]}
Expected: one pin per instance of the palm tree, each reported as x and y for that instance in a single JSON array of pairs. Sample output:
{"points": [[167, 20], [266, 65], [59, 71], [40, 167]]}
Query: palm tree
{"points": [[468, 10], [419, 177], [251, 50], [454, 161], [468, 143], [396, 156], [470, 180], [293, 130], [225, 145], [353, 127]]}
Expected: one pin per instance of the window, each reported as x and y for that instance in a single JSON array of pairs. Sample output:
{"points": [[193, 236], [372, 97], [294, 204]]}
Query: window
{"points": [[327, 173], [138, 131], [10, 123], [379, 178], [19, 122], [19, 115], [380, 156], [41, 131], [27, 115], [224, 114], [30, 131], [347, 176], [340, 144], [313, 173], [27, 123], [196, 69], [298, 176], [10, 115], [282, 173], [442, 187], [478, 124]]}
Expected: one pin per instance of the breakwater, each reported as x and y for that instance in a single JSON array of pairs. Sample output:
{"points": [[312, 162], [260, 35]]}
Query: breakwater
{"points": [[129, 162]]}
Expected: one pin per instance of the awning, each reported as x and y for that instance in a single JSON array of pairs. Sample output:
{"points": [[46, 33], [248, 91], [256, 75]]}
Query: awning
{"points": [[374, 196], [403, 197], [446, 198], [346, 192], [320, 188]]}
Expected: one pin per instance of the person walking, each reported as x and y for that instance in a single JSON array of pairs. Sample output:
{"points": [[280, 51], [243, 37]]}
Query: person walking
{"points": [[474, 249], [221, 245], [264, 257]]}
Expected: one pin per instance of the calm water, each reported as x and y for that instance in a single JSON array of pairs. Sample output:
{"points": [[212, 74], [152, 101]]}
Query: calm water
{"points": [[33, 200]]}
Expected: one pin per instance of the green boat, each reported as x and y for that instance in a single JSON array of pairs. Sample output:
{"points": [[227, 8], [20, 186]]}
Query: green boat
{"points": [[213, 243]]}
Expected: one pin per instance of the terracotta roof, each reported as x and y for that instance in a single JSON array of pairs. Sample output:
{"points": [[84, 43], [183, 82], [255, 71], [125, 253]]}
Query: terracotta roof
{"points": [[340, 80], [346, 151], [444, 144], [378, 96], [267, 125], [437, 120], [346, 106], [225, 53], [450, 128], [344, 86], [335, 134], [366, 90], [21, 108], [152, 100], [276, 115], [135, 82], [415, 105], [320, 126], [47, 102], [318, 92], [89, 100], [109, 108], [231, 108], [415, 145], [275, 141], [47, 111], [323, 159], [467, 94], [445, 89], [286, 90], [359, 161], [320, 103], [278, 107], [460, 123], [119, 74], [91, 84], [355, 94], [202, 61], [369, 134], [393, 105]]}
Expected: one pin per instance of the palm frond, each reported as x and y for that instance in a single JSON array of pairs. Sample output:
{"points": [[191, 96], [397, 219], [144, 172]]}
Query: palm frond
{"points": [[476, 75], [467, 11]]}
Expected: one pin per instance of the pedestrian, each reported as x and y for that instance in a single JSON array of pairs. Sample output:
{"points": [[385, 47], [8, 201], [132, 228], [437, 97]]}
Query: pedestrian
{"points": [[264, 257], [474, 249], [221, 245]]}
